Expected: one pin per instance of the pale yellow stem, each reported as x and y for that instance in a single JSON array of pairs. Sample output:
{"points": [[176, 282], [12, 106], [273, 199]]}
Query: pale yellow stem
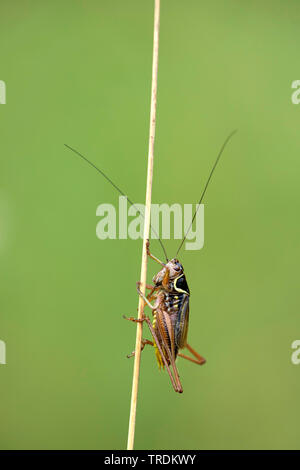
{"points": [[139, 330]]}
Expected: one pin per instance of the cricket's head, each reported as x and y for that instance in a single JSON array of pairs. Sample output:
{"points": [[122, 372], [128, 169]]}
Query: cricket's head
{"points": [[175, 269]]}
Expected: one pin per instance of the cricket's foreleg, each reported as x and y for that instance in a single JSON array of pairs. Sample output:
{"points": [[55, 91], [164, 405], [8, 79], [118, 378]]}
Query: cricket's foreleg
{"points": [[152, 256], [165, 281], [144, 342], [198, 358]]}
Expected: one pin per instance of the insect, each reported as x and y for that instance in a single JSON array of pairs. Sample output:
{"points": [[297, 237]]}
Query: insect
{"points": [[170, 317], [171, 296]]}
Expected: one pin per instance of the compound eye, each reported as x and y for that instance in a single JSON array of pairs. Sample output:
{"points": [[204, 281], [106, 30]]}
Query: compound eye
{"points": [[179, 266]]}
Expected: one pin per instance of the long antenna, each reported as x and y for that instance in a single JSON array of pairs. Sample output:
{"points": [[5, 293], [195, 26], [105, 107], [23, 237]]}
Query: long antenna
{"points": [[205, 187], [119, 190]]}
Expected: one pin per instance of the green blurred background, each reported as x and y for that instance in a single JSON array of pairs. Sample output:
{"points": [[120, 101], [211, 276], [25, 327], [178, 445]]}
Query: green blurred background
{"points": [[79, 72]]}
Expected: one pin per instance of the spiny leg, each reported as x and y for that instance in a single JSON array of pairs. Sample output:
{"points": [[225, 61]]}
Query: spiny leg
{"points": [[152, 256], [165, 281], [200, 360], [177, 387], [170, 355], [148, 321], [134, 319], [144, 342]]}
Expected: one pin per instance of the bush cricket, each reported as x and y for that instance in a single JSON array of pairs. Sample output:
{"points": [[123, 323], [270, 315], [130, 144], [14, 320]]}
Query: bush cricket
{"points": [[171, 294]]}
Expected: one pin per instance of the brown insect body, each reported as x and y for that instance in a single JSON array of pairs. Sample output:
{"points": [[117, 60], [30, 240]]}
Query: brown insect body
{"points": [[171, 309], [170, 295]]}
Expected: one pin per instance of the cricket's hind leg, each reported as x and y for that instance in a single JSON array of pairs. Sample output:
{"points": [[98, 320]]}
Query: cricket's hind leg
{"points": [[198, 358], [177, 386]]}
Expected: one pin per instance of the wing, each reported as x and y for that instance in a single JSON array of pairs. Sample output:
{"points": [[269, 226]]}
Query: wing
{"points": [[182, 323]]}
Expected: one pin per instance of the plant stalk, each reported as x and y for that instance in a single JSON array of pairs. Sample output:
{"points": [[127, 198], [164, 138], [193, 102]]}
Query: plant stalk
{"points": [[139, 329]]}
